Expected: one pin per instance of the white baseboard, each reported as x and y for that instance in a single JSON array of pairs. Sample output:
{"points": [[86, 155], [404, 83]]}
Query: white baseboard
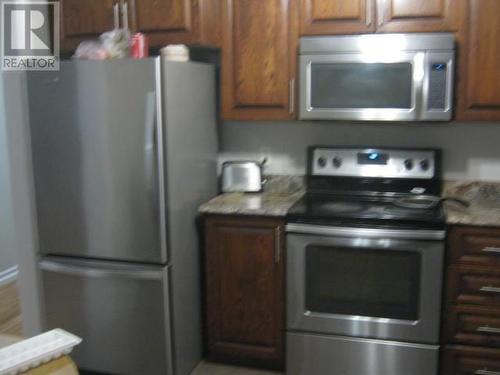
{"points": [[9, 275]]}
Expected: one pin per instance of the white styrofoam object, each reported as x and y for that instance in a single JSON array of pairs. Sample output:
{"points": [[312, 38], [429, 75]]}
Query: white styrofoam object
{"points": [[175, 52], [36, 350]]}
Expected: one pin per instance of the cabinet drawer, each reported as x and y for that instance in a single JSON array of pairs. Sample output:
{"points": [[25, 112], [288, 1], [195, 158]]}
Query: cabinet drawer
{"points": [[473, 325], [473, 245], [474, 285], [464, 360]]}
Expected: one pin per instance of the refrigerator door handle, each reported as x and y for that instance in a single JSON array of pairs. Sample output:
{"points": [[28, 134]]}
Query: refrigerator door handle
{"points": [[161, 155], [86, 271]]}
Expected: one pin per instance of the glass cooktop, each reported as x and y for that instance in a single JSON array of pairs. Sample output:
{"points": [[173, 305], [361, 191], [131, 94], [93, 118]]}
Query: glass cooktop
{"points": [[364, 211]]}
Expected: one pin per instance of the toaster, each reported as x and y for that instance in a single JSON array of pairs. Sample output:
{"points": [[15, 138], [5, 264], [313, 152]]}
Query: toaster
{"points": [[242, 176]]}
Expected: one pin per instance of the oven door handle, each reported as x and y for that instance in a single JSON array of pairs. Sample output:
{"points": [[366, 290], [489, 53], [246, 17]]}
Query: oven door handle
{"points": [[414, 234]]}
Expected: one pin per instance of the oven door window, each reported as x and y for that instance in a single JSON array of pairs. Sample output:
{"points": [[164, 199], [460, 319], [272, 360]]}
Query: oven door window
{"points": [[377, 283], [362, 85]]}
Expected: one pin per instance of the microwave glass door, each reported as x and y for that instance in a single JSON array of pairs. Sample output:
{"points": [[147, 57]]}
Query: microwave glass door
{"points": [[359, 87], [370, 282]]}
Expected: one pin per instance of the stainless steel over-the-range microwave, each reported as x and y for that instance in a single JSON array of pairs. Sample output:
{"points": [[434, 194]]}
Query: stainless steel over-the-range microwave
{"points": [[377, 77]]}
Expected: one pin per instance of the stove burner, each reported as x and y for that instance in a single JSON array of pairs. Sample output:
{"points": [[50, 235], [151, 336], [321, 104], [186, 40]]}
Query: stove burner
{"points": [[342, 207]]}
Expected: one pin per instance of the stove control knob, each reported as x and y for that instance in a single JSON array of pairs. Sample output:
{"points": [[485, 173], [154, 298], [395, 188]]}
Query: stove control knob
{"points": [[424, 164], [408, 164], [337, 162], [321, 162]]}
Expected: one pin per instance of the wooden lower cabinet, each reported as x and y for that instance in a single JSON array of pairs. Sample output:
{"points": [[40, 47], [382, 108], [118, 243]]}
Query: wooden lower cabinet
{"points": [[471, 321], [468, 360], [245, 295], [472, 325]]}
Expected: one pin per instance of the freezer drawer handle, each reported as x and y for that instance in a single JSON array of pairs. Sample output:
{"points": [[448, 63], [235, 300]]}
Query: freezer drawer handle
{"points": [[486, 372], [57, 267], [488, 329]]}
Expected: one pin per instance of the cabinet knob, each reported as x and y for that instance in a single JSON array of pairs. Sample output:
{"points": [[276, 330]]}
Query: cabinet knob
{"points": [[369, 12], [116, 16], [125, 15]]}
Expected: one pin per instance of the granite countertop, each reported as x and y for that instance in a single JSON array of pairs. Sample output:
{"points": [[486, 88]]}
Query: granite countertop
{"points": [[484, 198], [281, 193], [257, 204]]}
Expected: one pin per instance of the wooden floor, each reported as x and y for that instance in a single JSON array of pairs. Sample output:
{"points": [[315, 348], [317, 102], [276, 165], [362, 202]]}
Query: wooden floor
{"points": [[10, 311], [10, 324], [208, 368]]}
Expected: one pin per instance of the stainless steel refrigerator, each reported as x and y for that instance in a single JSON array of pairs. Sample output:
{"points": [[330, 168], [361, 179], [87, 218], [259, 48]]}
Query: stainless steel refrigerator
{"points": [[123, 153]]}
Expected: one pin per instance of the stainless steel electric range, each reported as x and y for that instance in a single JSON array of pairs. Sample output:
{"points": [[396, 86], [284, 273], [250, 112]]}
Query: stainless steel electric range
{"points": [[365, 264]]}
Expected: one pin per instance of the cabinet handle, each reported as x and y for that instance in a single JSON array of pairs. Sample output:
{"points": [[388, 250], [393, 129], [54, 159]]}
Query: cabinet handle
{"points": [[487, 329], [486, 372], [381, 10], [125, 15], [369, 12], [291, 98], [490, 249], [490, 289], [116, 15], [277, 245]]}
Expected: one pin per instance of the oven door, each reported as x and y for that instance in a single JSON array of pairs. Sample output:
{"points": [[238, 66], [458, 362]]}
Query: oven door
{"points": [[374, 283], [357, 86]]}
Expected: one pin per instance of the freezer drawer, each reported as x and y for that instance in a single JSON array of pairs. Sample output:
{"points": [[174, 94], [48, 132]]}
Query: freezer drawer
{"points": [[336, 355], [120, 311]]}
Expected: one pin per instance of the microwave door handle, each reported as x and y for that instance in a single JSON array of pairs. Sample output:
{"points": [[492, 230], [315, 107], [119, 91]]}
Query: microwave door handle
{"points": [[449, 83], [419, 84]]}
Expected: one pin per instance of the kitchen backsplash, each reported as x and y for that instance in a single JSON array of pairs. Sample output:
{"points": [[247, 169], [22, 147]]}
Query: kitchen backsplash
{"points": [[471, 150]]}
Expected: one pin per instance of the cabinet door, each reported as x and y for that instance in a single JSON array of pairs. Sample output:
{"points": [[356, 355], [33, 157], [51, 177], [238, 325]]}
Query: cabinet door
{"points": [[477, 246], [336, 17], [258, 59], [417, 15], [163, 21], [245, 291], [479, 80], [469, 360], [176, 21], [85, 19]]}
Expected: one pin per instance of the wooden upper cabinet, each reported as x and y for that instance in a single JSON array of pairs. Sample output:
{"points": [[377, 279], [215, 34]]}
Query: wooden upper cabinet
{"points": [[336, 16], [245, 295], [479, 53], [176, 21], [163, 21], [417, 15], [259, 50], [85, 19]]}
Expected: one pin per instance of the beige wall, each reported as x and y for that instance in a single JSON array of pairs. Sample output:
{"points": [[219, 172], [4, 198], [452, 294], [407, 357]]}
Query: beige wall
{"points": [[20, 182], [7, 246], [471, 151]]}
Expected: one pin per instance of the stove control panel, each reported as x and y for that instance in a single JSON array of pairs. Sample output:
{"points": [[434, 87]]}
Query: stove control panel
{"points": [[373, 162]]}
